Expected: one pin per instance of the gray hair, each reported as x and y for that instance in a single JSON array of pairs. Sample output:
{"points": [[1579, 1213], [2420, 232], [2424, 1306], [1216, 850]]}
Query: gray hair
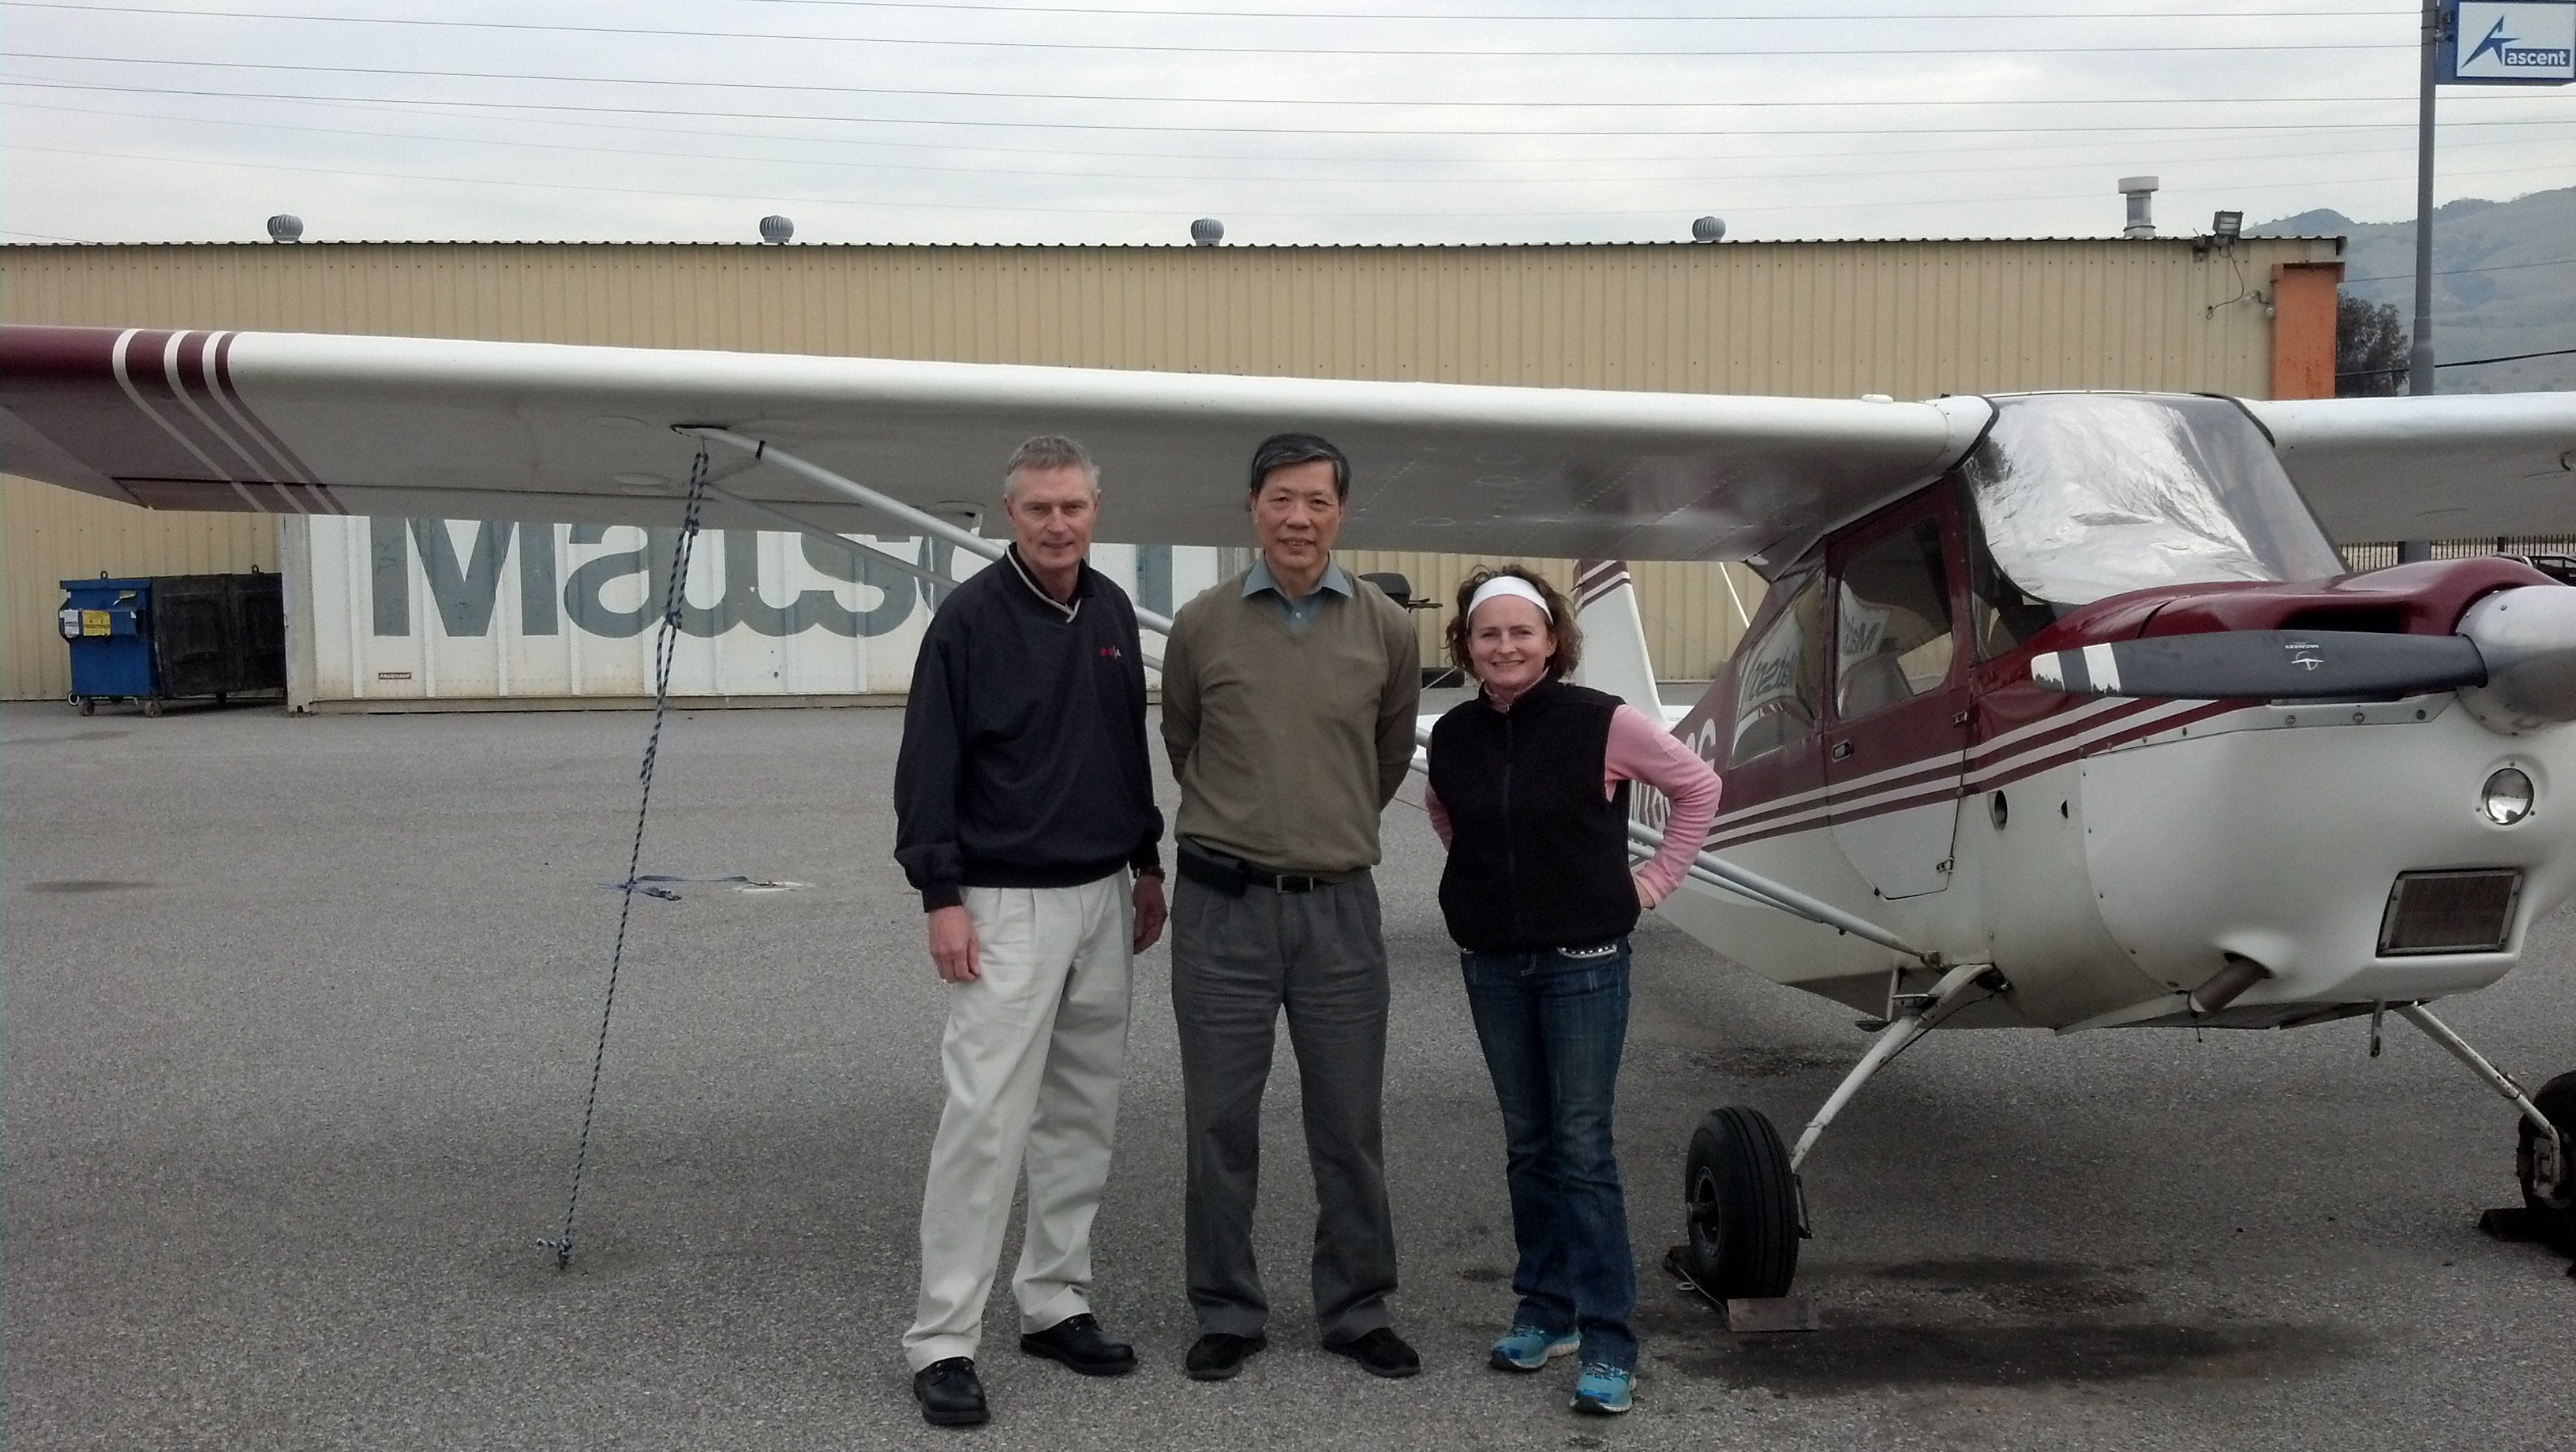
{"points": [[1048, 451]]}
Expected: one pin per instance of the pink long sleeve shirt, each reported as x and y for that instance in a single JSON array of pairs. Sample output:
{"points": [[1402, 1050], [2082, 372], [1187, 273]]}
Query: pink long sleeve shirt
{"points": [[1639, 750]]}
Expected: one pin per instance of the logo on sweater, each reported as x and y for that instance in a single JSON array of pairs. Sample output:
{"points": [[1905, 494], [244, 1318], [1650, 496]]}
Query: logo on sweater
{"points": [[1109, 652]]}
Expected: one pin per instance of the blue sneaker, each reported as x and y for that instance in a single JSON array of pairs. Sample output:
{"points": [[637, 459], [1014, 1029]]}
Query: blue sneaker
{"points": [[1603, 1390], [1527, 1348]]}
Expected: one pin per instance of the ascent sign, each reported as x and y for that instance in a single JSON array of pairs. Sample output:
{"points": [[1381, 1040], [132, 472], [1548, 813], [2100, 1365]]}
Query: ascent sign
{"points": [[2509, 45]]}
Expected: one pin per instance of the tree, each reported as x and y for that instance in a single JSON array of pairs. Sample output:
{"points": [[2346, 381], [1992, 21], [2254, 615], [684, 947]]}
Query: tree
{"points": [[2370, 348]]}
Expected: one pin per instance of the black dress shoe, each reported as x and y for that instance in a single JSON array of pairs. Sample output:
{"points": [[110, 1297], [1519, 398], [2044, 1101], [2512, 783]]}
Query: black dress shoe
{"points": [[1078, 1342], [950, 1393], [1220, 1354], [1380, 1353]]}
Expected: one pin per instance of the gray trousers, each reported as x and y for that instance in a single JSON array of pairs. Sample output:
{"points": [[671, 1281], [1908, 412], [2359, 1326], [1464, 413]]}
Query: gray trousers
{"points": [[1236, 961]]}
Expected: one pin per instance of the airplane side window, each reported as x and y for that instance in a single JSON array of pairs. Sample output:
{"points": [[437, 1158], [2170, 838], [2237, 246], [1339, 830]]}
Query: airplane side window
{"points": [[1780, 684], [2007, 615], [1893, 638]]}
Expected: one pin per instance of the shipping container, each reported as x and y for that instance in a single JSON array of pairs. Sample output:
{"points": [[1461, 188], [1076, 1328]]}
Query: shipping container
{"points": [[393, 614]]}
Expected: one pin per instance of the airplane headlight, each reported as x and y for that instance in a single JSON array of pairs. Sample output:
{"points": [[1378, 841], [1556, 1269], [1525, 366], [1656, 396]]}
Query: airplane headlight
{"points": [[2508, 796]]}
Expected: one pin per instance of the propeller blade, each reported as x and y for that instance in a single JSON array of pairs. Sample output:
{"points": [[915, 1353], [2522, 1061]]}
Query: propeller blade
{"points": [[2265, 665]]}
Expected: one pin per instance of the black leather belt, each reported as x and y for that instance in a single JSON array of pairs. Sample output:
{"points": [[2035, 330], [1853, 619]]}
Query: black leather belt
{"points": [[1231, 875]]}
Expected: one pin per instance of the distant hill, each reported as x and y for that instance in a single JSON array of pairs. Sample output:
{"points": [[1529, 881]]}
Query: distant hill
{"points": [[2504, 281]]}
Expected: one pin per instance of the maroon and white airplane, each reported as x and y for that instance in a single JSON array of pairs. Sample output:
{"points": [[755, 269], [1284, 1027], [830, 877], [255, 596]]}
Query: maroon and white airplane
{"points": [[2061, 710]]}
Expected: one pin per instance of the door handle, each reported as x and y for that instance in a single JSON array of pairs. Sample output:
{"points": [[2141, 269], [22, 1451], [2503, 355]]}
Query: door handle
{"points": [[1842, 749]]}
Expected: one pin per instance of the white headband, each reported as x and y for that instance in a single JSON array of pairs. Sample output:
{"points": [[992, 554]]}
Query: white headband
{"points": [[1509, 585]]}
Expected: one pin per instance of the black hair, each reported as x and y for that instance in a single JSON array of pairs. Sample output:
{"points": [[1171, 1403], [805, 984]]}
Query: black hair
{"points": [[1281, 450]]}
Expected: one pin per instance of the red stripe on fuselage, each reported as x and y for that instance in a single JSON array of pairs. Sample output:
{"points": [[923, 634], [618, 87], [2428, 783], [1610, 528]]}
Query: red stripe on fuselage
{"points": [[1941, 781]]}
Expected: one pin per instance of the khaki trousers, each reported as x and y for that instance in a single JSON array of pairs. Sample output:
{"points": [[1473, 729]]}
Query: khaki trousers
{"points": [[1032, 1058]]}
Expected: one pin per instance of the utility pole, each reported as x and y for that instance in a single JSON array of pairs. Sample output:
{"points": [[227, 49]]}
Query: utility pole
{"points": [[2419, 358]]}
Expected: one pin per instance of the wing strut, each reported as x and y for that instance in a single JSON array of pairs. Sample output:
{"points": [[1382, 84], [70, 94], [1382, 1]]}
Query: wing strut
{"points": [[886, 504], [1922, 1016], [2496, 1079], [1709, 865], [785, 520]]}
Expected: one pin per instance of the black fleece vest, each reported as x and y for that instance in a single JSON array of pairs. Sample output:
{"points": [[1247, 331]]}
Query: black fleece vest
{"points": [[1538, 857]]}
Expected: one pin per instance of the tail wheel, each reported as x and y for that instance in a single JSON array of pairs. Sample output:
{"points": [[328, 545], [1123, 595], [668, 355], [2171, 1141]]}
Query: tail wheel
{"points": [[1742, 1205], [2550, 1188]]}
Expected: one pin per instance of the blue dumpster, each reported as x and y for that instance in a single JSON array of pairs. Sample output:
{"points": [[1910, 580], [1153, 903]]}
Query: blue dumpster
{"points": [[174, 637], [108, 625]]}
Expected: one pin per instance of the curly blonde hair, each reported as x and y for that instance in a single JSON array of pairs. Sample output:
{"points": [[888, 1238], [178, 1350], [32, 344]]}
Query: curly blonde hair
{"points": [[1560, 615]]}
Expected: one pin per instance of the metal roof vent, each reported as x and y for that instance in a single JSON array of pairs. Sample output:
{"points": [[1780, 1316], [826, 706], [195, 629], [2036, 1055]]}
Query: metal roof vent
{"points": [[1708, 229], [777, 231], [1206, 232], [286, 227], [2141, 192]]}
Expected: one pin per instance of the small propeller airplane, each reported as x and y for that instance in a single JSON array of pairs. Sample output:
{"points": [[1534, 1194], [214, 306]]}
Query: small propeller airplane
{"points": [[2062, 710]]}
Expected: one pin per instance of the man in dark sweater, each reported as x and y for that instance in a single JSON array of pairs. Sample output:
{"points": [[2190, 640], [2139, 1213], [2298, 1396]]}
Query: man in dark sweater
{"points": [[1023, 802]]}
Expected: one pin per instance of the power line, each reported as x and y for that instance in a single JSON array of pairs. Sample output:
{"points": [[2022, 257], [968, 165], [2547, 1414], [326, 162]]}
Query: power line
{"points": [[1117, 99], [2462, 363], [1488, 18], [2460, 271], [1553, 53], [1471, 17], [2144, 130], [954, 148], [953, 169]]}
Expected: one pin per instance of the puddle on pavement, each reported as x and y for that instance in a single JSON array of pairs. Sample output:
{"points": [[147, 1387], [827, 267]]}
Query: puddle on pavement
{"points": [[2043, 1286], [1986, 1321], [89, 884], [1844, 1358]]}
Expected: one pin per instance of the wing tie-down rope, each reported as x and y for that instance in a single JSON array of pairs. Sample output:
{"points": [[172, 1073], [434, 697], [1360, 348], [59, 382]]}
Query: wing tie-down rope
{"points": [[648, 884], [666, 640]]}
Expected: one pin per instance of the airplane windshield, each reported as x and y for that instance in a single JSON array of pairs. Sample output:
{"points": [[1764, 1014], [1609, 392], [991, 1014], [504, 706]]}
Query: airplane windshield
{"points": [[2085, 496]]}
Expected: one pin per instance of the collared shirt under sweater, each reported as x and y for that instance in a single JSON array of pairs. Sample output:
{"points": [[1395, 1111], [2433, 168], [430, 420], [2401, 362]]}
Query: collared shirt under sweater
{"points": [[1289, 742]]}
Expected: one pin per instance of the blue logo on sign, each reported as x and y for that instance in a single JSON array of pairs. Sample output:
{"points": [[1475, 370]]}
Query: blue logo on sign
{"points": [[2496, 41]]}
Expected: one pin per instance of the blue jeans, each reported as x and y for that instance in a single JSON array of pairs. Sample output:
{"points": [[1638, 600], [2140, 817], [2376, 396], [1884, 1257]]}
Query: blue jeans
{"points": [[1552, 1025]]}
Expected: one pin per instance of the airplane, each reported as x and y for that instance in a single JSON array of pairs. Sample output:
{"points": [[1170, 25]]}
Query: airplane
{"points": [[2061, 711]]}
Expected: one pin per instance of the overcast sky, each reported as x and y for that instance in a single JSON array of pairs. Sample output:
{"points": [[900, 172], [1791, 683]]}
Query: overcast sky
{"points": [[1292, 120]]}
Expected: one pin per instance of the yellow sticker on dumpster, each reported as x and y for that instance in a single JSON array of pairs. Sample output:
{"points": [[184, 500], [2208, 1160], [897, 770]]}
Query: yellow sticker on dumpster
{"points": [[93, 622]]}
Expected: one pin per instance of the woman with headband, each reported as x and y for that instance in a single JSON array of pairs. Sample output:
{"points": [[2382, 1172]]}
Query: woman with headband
{"points": [[1529, 790]]}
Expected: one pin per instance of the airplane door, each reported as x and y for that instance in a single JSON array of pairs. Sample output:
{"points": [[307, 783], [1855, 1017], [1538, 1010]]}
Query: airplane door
{"points": [[1897, 742], [1765, 720]]}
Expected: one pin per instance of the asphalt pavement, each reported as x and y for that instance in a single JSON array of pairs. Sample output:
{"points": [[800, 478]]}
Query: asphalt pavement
{"points": [[298, 1023]]}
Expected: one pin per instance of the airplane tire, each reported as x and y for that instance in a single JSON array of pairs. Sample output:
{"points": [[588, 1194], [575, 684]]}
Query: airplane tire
{"points": [[1741, 1205], [2557, 1099]]}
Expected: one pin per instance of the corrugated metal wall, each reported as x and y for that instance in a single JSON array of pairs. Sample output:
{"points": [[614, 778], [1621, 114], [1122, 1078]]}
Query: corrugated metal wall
{"points": [[1909, 319]]}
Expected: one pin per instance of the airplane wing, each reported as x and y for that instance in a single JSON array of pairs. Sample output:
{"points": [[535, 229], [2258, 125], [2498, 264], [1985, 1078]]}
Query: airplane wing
{"points": [[2461, 466], [407, 426]]}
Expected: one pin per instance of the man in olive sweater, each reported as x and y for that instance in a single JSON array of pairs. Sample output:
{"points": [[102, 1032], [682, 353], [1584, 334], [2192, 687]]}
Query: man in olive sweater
{"points": [[1289, 695]]}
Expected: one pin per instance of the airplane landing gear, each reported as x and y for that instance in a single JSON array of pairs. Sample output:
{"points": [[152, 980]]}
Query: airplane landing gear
{"points": [[2544, 1158], [2547, 1170], [1741, 1203], [1740, 1195]]}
